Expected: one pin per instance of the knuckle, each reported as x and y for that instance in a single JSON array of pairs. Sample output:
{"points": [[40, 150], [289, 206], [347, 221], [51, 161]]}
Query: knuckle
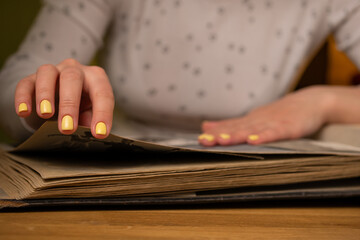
{"points": [[43, 90], [46, 68], [277, 126], [278, 130], [101, 112], [27, 81], [70, 62], [96, 70], [68, 103], [105, 94], [71, 74]]}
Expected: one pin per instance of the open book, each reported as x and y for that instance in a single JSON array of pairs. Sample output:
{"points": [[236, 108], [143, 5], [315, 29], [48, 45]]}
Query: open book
{"points": [[54, 169]]}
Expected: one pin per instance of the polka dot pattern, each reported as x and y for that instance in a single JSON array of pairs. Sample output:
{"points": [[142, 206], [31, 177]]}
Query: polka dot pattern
{"points": [[215, 64], [192, 60]]}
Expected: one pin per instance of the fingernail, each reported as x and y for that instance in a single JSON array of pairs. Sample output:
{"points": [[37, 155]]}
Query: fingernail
{"points": [[23, 107], [224, 136], [45, 107], [207, 137], [100, 128], [67, 123], [253, 137]]}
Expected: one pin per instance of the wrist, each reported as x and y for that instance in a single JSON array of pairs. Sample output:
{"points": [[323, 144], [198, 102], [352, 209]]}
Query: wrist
{"points": [[325, 100], [339, 104]]}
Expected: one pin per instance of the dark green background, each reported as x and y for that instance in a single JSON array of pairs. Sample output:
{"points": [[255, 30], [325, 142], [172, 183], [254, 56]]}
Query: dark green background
{"points": [[16, 16]]}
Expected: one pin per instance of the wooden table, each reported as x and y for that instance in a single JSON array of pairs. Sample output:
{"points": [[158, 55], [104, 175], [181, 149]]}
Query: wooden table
{"points": [[334, 220]]}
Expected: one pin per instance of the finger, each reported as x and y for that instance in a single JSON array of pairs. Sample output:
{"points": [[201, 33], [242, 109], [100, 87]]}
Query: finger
{"points": [[70, 88], [236, 133], [208, 125], [220, 134], [224, 130], [23, 96], [233, 137], [102, 99], [225, 139], [85, 111], [207, 140], [85, 118], [46, 78], [241, 135], [270, 134]]}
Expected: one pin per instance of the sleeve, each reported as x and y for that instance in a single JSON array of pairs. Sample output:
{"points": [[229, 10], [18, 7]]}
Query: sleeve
{"points": [[345, 19], [63, 29]]}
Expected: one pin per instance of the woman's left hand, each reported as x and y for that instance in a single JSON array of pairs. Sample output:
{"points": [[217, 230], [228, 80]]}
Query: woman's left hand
{"points": [[298, 114]]}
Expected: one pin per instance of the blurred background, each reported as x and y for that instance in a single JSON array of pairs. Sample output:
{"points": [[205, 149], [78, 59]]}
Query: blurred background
{"points": [[16, 16], [328, 66]]}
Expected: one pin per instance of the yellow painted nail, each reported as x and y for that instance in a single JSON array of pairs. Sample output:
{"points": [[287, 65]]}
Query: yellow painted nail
{"points": [[225, 136], [23, 107], [207, 137], [45, 107], [100, 128], [253, 137], [67, 123]]}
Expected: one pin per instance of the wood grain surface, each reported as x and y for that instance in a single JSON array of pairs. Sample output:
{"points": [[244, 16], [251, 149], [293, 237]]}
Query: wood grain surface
{"points": [[254, 222]]}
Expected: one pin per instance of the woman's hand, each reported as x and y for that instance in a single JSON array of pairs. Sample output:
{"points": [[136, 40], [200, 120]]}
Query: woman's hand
{"points": [[296, 115], [85, 96]]}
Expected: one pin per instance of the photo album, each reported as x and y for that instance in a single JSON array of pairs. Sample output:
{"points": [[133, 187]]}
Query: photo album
{"points": [[52, 169]]}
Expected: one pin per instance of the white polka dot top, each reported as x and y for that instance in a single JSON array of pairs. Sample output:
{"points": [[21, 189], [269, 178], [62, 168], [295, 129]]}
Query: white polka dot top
{"points": [[179, 62]]}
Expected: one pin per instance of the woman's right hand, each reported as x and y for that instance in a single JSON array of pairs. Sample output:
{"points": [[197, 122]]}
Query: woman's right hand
{"points": [[85, 96]]}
